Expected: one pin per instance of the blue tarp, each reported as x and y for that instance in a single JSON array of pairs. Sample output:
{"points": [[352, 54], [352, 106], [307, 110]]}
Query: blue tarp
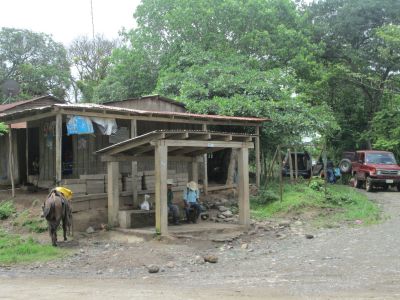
{"points": [[79, 125]]}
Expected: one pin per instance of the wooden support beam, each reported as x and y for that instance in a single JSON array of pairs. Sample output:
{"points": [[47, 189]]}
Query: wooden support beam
{"points": [[184, 151], [32, 117], [58, 148], [201, 137], [258, 162], [195, 170], [113, 193], [208, 144], [135, 199], [205, 151], [161, 167], [11, 160], [27, 151], [205, 170], [179, 136], [127, 158], [133, 144], [143, 149], [244, 199]]}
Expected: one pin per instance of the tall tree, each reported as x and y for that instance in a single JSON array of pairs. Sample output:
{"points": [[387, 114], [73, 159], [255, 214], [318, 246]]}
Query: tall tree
{"points": [[91, 61], [34, 60], [362, 57]]}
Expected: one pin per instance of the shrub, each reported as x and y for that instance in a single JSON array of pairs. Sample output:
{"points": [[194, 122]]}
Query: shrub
{"points": [[317, 184], [265, 197], [7, 208]]}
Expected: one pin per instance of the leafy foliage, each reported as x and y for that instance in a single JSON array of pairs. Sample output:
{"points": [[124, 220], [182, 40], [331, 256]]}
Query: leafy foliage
{"points": [[35, 61], [91, 59], [7, 208], [360, 52]]}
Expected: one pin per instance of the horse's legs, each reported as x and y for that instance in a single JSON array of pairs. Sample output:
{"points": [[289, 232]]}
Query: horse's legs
{"points": [[53, 234], [64, 224]]}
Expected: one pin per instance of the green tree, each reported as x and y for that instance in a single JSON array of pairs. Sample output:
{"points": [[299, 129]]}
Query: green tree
{"points": [[91, 60], [361, 55], [35, 61]]}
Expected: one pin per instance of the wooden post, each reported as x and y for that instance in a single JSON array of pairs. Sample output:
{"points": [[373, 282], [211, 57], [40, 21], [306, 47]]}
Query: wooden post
{"points": [[27, 152], [257, 146], [205, 178], [280, 174], [296, 167], [11, 160], [161, 167], [58, 148], [113, 192], [134, 168], [195, 170], [244, 199], [290, 165]]}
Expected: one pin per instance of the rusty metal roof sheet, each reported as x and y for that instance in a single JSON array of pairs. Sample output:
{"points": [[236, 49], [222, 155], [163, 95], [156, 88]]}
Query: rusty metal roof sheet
{"points": [[156, 96], [98, 108], [157, 113], [5, 107]]}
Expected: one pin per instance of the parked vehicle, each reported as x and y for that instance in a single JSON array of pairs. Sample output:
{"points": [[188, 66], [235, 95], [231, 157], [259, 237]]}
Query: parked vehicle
{"points": [[303, 164], [373, 168]]}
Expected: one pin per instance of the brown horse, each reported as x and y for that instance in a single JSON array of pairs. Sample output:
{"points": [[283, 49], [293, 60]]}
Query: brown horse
{"points": [[56, 209]]}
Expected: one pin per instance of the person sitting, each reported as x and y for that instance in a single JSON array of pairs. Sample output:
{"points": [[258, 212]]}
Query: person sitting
{"points": [[191, 199], [172, 208]]}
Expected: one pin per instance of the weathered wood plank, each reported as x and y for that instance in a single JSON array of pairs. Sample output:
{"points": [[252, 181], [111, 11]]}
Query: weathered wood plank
{"points": [[161, 157], [244, 199], [113, 193]]}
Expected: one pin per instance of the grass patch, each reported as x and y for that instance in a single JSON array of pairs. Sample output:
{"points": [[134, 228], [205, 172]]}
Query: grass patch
{"points": [[7, 208], [342, 204], [15, 249], [32, 223]]}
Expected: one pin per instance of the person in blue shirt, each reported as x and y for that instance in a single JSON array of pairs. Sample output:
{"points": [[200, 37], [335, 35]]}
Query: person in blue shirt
{"points": [[191, 199]]}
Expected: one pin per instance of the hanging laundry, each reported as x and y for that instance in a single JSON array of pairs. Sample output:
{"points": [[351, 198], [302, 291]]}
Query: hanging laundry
{"points": [[106, 126], [79, 125]]}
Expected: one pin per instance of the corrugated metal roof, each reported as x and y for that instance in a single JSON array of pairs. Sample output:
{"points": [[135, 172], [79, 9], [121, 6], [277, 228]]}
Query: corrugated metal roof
{"points": [[5, 107], [98, 108], [158, 97], [101, 107]]}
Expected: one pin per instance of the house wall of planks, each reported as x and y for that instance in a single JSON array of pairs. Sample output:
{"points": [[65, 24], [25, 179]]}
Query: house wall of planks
{"points": [[88, 171]]}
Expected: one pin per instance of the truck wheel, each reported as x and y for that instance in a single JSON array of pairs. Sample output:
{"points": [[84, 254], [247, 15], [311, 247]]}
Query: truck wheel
{"points": [[368, 185], [398, 187], [357, 183], [345, 165]]}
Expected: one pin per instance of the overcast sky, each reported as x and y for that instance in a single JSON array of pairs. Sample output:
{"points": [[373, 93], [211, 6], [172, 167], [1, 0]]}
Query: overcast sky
{"points": [[67, 19]]}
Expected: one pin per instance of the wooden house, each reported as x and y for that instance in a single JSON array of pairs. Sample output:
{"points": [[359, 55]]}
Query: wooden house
{"points": [[44, 154]]}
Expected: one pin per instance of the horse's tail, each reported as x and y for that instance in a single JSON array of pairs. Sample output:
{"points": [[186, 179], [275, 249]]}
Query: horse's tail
{"points": [[48, 206]]}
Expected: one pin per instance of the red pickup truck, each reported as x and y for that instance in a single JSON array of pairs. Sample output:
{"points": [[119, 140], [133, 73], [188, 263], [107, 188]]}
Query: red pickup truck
{"points": [[374, 168]]}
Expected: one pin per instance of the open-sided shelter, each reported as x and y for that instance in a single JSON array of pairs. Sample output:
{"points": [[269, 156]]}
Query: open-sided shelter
{"points": [[55, 156]]}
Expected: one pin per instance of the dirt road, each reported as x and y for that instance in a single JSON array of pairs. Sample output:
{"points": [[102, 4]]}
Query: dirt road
{"points": [[355, 262]]}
